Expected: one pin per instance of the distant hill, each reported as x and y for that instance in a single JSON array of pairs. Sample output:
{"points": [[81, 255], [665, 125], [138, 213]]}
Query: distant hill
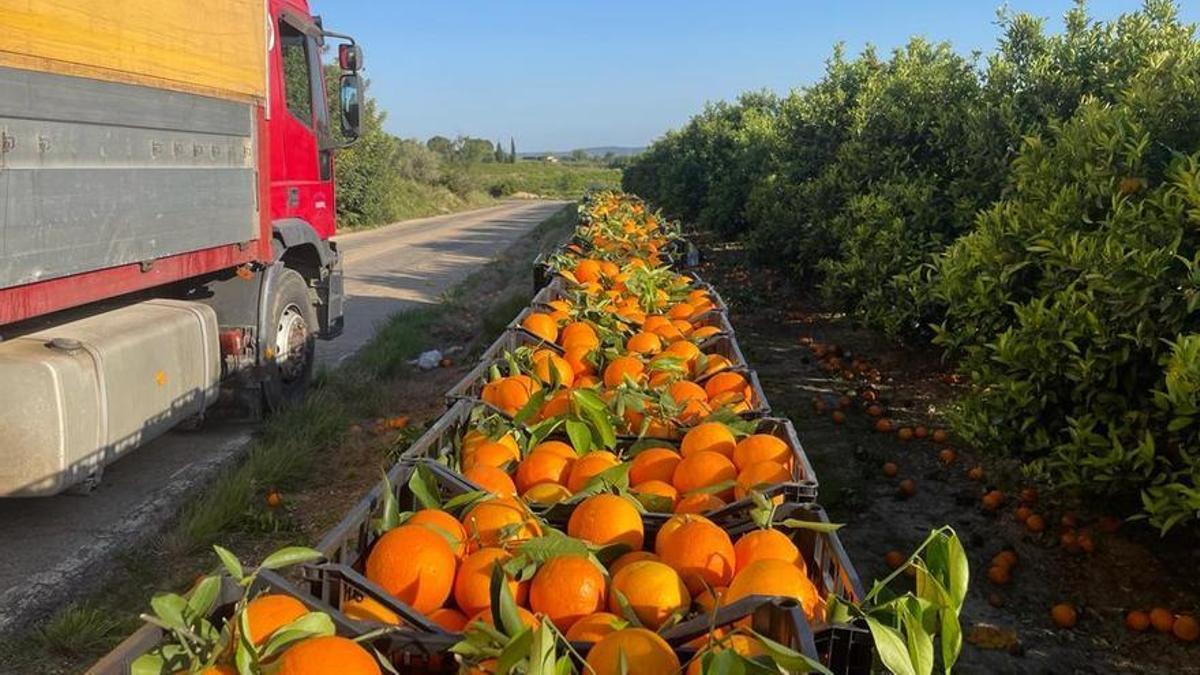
{"points": [[600, 151]]}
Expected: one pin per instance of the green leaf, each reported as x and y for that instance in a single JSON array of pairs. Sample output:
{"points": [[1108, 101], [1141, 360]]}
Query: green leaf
{"points": [[531, 407], [170, 609], [149, 664], [203, 597], [464, 499], [232, 565], [626, 609], [389, 518], [504, 606], [603, 426], [580, 435], [541, 549], [291, 555], [790, 659], [891, 647], [814, 525], [424, 487], [312, 624], [919, 640], [516, 651]]}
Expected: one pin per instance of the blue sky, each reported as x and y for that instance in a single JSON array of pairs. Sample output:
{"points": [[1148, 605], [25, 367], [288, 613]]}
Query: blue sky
{"points": [[563, 74]]}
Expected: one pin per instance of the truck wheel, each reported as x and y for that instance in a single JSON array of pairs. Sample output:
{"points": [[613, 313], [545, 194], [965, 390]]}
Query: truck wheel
{"points": [[289, 345]]}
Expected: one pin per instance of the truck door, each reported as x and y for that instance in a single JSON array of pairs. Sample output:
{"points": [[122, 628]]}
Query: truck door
{"points": [[302, 164]]}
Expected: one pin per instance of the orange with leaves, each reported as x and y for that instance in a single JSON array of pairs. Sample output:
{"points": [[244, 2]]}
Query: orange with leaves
{"points": [[473, 582], [491, 479], [567, 588], [327, 654], [780, 578], [704, 470], [269, 612], [760, 476], [588, 467], [632, 651], [768, 544], [444, 524], [593, 627], [503, 520], [653, 464], [652, 589], [543, 466]]}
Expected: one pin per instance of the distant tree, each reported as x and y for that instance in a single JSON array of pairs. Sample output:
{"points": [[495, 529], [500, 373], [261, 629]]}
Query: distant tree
{"points": [[512, 150], [441, 145], [472, 150], [499, 153], [579, 155]]}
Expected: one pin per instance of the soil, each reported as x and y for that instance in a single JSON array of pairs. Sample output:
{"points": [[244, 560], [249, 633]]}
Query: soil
{"points": [[1130, 568]]}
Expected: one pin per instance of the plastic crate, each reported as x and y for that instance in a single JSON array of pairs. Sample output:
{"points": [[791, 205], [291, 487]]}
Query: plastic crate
{"points": [[146, 638], [442, 441], [846, 648]]}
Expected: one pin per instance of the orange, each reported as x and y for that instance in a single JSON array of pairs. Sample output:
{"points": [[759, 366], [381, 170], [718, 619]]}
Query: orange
{"points": [[579, 335], [653, 590], [609, 269], [645, 653], [761, 448], [567, 588], [607, 519], [542, 325], [269, 612], [746, 645], [758, 476], [644, 343], [1137, 620], [658, 488], [327, 654], [587, 467], [1162, 620], [653, 464], [1186, 628], [683, 349], [490, 521], [494, 480], [557, 405], [709, 598], [654, 321], [765, 545], [711, 437], [681, 311], [542, 466], [620, 368], [686, 391], [579, 360], [477, 437], [552, 369], [702, 553], [672, 525], [593, 627], [703, 470], [727, 383], [414, 564], [526, 617], [546, 494], [509, 394], [699, 502], [713, 363], [628, 559], [776, 578], [703, 332], [1064, 615], [587, 270], [449, 619], [445, 524], [362, 608], [556, 447], [491, 453], [473, 583], [668, 331]]}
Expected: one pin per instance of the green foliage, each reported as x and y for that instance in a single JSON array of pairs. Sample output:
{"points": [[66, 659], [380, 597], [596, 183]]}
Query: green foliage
{"points": [[1033, 212]]}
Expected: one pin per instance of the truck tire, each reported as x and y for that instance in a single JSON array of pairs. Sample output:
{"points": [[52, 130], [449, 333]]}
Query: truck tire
{"points": [[289, 345]]}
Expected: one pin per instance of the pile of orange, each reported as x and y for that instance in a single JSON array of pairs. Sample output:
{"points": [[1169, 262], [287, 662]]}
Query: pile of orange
{"points": [[442, 566]]}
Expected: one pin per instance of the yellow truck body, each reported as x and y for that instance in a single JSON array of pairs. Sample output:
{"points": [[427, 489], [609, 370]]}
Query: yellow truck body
{"points": [[209, 47]]}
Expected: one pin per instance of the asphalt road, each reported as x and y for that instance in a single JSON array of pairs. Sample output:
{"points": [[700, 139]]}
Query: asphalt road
{"points": [[55, 548]]}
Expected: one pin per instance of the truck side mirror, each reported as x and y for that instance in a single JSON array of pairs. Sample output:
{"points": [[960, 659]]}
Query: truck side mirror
{"points": [[350, 57], [351, 94]]}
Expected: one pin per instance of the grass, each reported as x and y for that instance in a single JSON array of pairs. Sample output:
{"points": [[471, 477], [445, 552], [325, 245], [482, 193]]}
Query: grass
{"points": [[288, 454]]}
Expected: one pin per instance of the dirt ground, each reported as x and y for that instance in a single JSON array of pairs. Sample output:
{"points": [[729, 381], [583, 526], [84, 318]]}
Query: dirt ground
{"points": [[1130, 568]]}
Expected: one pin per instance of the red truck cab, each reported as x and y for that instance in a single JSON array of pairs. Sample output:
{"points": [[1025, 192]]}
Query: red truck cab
{"points": [[165, 221]]}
